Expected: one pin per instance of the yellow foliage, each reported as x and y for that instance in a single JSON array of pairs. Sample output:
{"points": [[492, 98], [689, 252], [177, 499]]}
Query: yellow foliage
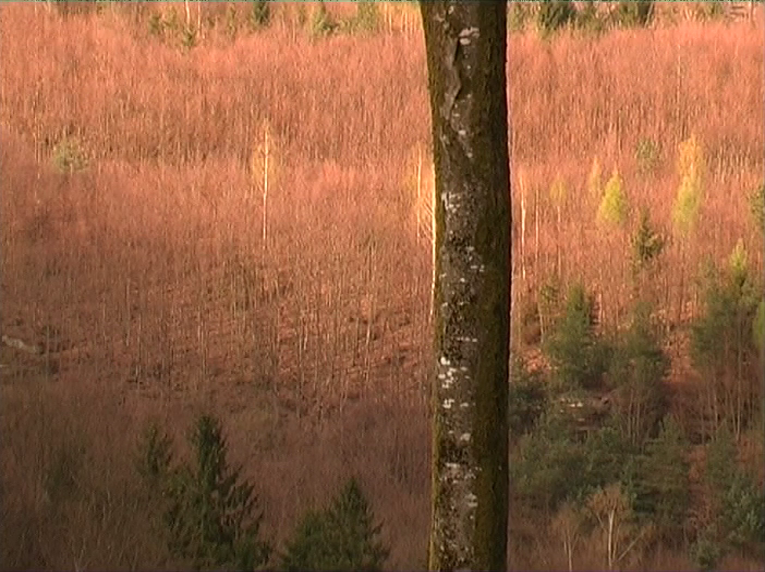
{"points": [[614, 207], [691, 168]]}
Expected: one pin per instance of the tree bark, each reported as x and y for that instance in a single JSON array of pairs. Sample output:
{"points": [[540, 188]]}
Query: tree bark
{"points": [[466, 46]]}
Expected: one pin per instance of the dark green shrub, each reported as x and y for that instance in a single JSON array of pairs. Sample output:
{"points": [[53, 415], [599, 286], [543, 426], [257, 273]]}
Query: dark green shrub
{"points": [[554, 15], [260, 14], [743, 514], [552, 464], [720, 467], [342, 537], [647, 244], [662, 493], [737, 521], [758, 328], [638, 370], [631, 13], [706, 551], [606, 452], [722, 345], [550, 307], [579, 357], [589, 19], [153, 461], [737, 501], [546, 466], [527, 398]]}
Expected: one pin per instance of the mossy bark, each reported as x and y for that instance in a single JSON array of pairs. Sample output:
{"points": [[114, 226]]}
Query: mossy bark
{"points": [[466, 52]]}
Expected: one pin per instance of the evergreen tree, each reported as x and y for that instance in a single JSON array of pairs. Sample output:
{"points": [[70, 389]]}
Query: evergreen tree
{"points": [[576, 352], [527, 398], [211, 516], [638, 371], [342, 537], [663, 488], [554, 15], [723, 348], [637, 13]]}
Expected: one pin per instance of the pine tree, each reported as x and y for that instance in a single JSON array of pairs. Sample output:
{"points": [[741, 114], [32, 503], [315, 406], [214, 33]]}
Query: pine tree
{"points": [[578, 355], [342, 537], [211, 516], [663, 490]]}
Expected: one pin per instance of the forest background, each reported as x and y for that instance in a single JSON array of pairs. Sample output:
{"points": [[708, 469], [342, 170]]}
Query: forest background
{"points": [[217, 216]]}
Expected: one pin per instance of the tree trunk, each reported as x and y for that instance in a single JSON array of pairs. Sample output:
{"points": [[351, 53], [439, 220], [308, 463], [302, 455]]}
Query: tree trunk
{"points": [[610, 547], [466, 52]]}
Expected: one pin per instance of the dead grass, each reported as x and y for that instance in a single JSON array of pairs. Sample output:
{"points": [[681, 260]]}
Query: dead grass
{"points": [[146, 281]]}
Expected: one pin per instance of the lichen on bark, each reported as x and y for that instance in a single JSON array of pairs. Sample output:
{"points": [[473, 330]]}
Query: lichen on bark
{"points": [[466, 44]]}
